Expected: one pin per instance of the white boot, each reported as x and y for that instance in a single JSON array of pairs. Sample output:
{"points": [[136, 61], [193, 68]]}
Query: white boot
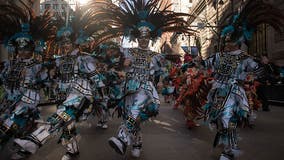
{"points": [[137, 145], [118, 145], [236, 152], [71, 147], [135, 152], [32, 142], [103, 119], [123, 139], [27, 145], [226, 157], [102, 125], [66, 157]]}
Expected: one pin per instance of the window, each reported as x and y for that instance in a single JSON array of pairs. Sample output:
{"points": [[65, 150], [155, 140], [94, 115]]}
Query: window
{"points": [[47, 6], [279, 36], [55, 6], [63, 6], [258, 45]]}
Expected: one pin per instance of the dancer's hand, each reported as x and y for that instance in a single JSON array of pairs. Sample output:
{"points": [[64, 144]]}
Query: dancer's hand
{"points": [[121, 74], [127, 63]]}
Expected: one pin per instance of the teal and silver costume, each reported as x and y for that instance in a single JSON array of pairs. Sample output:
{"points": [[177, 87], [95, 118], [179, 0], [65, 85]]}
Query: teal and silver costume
{"points": [[227, 101], [22, 97], [138, 19], [78, 78], [83, 82]]}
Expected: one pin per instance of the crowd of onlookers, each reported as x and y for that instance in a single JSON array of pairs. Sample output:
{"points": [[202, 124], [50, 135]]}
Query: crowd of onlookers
{"points": [[271, 83]]}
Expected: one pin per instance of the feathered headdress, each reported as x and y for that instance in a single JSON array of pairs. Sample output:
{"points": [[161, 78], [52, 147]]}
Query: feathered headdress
{"points": [[241, 26], [82, 27], [21, 28], [135, 17]]}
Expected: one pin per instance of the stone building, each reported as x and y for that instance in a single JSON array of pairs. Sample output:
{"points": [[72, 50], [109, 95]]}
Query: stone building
{"points": [[176, 40], [210, 13], [60, 7]]}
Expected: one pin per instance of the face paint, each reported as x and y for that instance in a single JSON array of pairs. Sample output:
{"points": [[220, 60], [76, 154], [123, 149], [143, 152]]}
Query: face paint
{"points": [[25, 54], [143, 42], [66, 47], [144, 39]]}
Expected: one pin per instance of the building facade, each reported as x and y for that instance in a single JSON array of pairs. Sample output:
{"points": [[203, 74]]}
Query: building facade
{"points": [[177, 40], [59, 7], [209, 15]]}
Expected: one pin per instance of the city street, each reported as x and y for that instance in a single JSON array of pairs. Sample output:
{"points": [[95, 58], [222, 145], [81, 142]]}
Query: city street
{"points": [[167, 138], [59, 56]]}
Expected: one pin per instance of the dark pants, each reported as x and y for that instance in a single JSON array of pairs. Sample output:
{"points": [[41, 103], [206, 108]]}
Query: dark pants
{"points": [[156, 80], [261, 93]]}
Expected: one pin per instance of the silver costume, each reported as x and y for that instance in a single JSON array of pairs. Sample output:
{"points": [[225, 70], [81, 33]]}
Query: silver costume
{"points": [[22, 86], [141, 101], [80, 76], [227, 101]]}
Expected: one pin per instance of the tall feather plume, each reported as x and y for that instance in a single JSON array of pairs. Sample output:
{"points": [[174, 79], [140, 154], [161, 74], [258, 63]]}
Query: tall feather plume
{"points": [[43, 27], [12, 16], [125, 17], [15, 13], [254, 13], [85, 23]]}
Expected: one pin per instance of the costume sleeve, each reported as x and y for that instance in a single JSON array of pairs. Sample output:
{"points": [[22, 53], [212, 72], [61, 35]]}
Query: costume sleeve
{"points": [[156, 65], [4, 70], [127, 55], [251, 65], [88, 64], [211, 61]]}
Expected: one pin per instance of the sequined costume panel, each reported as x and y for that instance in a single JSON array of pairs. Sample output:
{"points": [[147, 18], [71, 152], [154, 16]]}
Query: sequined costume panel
{"points": [[140, 73], [227, 101]]}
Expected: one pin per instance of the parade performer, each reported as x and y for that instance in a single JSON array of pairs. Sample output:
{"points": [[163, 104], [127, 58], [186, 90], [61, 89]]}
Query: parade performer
{"points": [[76, 71], [227, 100], [110, 61], [21, 75], [141, 20], [169, 87], [168, 90], [193, 95], [176, 76], [250, 87], [113, 58]]}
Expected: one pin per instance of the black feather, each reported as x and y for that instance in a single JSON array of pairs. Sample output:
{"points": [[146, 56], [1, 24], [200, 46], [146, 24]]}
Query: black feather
{"points": [[124, 18]]}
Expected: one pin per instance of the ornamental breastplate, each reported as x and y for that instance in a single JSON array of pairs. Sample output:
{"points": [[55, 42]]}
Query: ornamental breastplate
{"points": [[227, 66], [140, 65], [66, 69], [15, 76]]}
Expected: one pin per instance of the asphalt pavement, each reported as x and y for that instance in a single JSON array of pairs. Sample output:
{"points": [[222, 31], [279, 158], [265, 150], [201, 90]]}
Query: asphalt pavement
{"points": [[167, 138]]}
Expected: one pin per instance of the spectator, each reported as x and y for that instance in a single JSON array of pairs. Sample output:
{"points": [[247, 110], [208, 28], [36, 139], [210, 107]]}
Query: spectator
{"points": [[270, 77]]}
